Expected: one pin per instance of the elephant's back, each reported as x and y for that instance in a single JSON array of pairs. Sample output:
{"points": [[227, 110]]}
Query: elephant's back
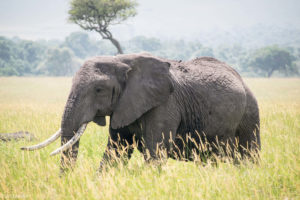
{"points": [[211, 67], [208, 71], [216, 77], [216, 90]]}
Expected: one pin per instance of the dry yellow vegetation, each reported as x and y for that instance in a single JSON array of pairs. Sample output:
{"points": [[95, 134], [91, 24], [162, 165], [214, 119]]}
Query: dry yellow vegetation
{"points": [[36, 105]]}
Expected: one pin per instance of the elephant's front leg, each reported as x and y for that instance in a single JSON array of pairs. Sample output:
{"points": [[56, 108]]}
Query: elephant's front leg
{"points": [[159, 130], [119, 148]]}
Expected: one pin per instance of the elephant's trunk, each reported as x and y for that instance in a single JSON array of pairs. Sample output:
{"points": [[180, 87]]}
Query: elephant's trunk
{"points": [[72, 127], [69, 126], [69, 119]]}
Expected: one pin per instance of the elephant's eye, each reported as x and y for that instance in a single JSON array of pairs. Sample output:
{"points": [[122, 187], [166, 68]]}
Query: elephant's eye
{"points": [[98, 90]]}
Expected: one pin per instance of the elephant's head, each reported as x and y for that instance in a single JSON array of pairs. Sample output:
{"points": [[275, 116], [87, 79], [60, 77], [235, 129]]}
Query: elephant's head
{"points": [[122, 87]]}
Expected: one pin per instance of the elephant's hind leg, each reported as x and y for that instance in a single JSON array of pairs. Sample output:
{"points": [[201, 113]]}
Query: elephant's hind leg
{"points": [[248, 137], [248, 131]]}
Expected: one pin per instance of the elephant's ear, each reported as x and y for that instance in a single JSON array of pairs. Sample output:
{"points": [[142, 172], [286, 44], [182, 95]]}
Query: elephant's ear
{"points": [[148, 85]]}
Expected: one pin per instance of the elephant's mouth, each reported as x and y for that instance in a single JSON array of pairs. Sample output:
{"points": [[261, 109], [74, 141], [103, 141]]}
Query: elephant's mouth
{"points": [[100, 120]]}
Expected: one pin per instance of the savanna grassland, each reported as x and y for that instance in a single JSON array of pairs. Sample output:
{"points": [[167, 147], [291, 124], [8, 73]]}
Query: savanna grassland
{"points": [[36, 105]]}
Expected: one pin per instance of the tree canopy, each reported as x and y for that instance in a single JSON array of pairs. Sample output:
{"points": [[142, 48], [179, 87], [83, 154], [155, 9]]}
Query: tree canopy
{"points": [[269, 59], [59, 62], [62, 58], [99, 15], [19, 58]]}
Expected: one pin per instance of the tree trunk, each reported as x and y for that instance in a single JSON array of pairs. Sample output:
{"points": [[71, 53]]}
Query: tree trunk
{"points": [[116, 44], [270, 72], [108, 36]]}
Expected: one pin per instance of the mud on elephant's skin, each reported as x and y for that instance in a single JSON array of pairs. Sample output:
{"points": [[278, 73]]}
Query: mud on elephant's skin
{"points": [[148, 98]]}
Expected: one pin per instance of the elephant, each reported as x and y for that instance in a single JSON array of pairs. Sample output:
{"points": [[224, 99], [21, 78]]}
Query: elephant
{"points": [[159, 104]]}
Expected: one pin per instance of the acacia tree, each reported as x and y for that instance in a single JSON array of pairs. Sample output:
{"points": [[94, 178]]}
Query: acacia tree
{"points": [[269, 59], [99, 15]]}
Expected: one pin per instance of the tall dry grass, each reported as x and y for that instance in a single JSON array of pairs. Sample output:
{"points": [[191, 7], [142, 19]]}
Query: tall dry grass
{"points": [[36, 105]]}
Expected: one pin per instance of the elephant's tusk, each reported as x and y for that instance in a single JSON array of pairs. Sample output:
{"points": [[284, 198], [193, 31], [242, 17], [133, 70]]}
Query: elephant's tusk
{"points": [[71, 142], [45, 143]]}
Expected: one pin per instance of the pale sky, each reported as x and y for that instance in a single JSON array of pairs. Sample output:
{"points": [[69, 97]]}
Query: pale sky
{"points": [[47, 19]]}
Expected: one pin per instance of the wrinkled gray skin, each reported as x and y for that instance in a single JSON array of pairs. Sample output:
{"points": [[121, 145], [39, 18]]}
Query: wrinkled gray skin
{"points": [[149, 98]]}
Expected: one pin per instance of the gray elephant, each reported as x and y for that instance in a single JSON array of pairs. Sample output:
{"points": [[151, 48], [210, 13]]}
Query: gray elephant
{"points": [[159, 104]]}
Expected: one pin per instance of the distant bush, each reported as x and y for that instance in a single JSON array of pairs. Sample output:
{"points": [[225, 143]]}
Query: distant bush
{"points": [[62, 58]]}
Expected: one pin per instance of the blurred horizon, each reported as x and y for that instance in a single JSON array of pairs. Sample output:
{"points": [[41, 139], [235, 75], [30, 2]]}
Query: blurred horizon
{"points": [[255, 37], [188, 20]]}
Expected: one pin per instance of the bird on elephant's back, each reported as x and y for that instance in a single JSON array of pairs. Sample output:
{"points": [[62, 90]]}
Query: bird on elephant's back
{"points": [[159, 105]]}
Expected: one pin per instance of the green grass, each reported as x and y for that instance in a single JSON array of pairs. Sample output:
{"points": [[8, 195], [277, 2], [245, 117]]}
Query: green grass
{"points": [[36, 105]]}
